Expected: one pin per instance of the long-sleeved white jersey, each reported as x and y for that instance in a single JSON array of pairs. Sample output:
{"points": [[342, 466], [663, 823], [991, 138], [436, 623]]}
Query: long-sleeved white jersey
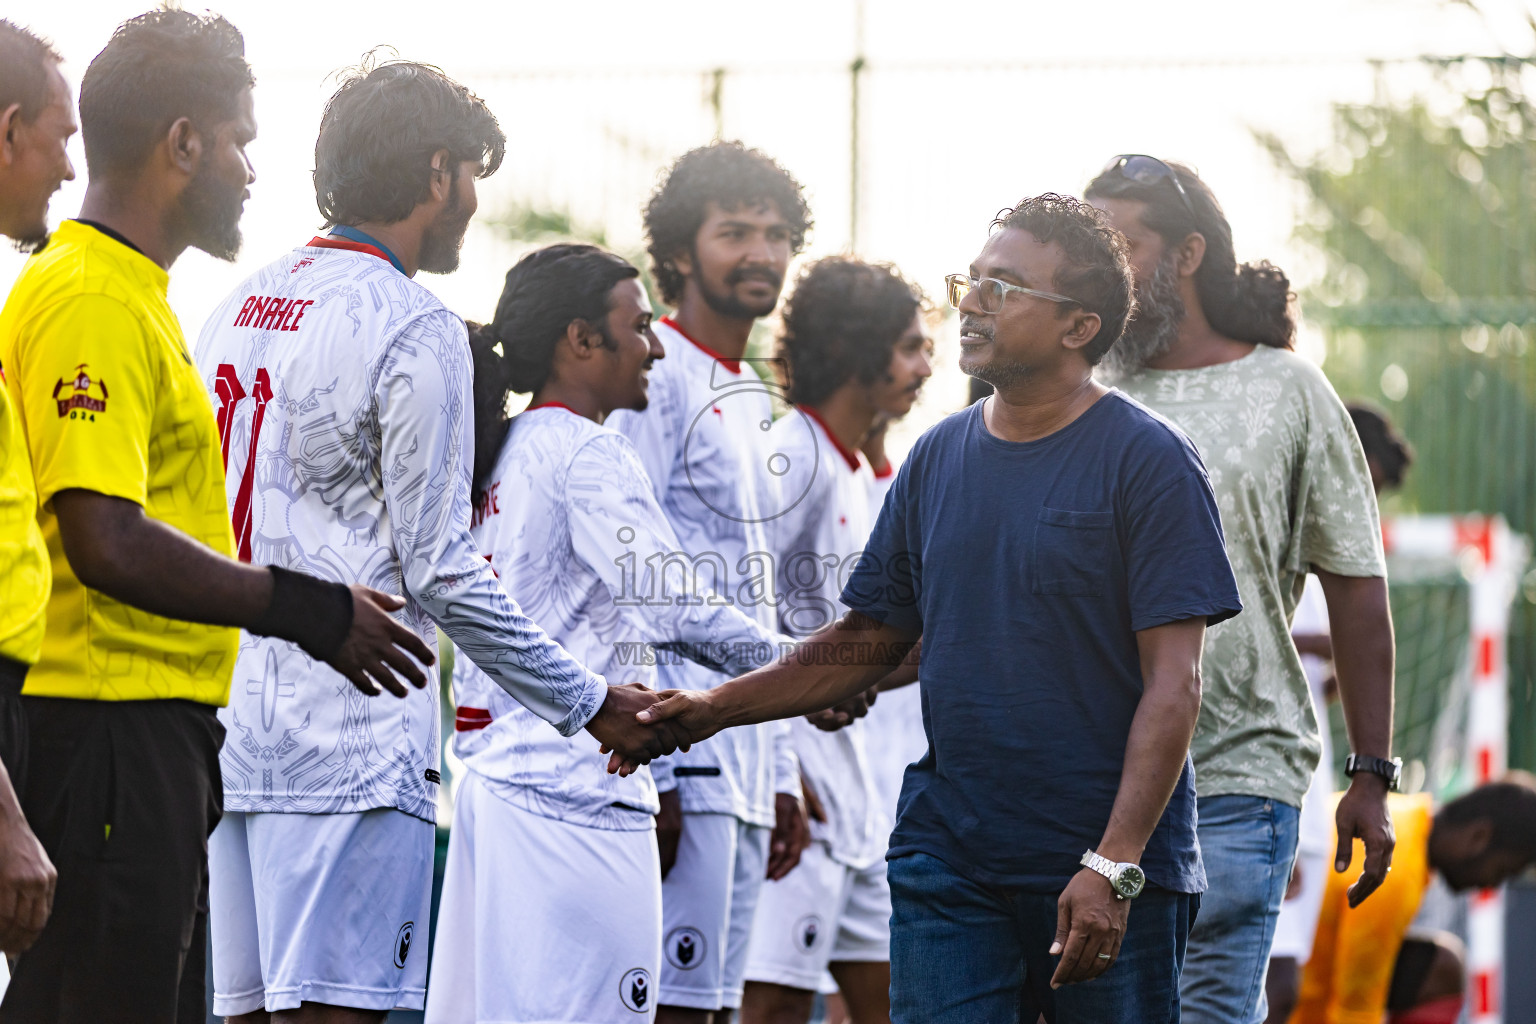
{"points": [[342, 390], [567, 520], [817, 542], [704, 442]]}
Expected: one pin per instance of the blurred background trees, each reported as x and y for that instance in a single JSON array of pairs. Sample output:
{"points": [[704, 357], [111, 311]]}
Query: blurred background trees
{"points": [[1424, 214]]}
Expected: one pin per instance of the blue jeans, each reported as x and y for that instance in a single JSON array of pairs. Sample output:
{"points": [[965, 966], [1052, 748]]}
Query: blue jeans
{"points": [[963, 953], [1249, 845]]}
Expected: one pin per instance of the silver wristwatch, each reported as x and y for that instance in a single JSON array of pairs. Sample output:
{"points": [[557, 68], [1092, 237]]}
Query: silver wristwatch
{"points": [[1127, 880]]}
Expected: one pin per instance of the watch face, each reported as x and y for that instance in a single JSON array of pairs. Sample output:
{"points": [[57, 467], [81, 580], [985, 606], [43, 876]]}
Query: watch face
{"points": [[1129, 880]]}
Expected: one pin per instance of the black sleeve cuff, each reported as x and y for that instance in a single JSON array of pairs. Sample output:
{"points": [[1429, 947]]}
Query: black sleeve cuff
{"points": [[313, 613]]}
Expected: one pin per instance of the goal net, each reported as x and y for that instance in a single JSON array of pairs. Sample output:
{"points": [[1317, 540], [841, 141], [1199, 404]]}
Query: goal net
{"points": [[1452, 581]]}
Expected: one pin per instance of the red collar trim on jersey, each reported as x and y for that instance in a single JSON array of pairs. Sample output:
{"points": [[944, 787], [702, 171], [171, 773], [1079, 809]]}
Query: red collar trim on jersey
{"points": [[852, 458], [734, 365], [887, 470], [553, 405], [320, 242]]}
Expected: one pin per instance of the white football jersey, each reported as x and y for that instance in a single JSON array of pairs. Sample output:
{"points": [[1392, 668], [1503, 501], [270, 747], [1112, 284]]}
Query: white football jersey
{"points": [[894, 732], [704, 442], [568, 520], [342, 390], [817, 542]]}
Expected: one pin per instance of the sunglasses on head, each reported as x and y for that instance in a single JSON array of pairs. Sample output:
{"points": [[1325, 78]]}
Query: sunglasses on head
{"points": [[1148, 170]]}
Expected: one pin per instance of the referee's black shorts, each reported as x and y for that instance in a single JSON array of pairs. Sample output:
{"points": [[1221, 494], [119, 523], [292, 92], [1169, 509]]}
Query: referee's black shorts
{"points": [[13, 725], [123, 796]]}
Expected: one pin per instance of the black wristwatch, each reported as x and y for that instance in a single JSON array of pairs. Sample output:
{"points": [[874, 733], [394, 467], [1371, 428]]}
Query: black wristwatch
{"points": [[1391, 770]]}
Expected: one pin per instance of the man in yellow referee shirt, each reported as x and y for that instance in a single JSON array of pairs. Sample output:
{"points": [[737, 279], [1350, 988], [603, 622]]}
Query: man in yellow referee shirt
{"points": [[37, 117], [139, 643]]}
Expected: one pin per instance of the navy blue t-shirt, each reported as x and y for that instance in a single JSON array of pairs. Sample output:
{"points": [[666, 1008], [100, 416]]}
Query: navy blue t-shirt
{"points": [[1028, 568]]}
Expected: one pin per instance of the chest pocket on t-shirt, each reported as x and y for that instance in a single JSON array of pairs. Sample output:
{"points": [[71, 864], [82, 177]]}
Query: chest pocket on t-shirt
{"points": [[1071, 552]]}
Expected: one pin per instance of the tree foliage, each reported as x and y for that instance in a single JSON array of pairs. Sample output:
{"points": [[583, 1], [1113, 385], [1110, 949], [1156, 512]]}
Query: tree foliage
{"points": [[1424, 215]]}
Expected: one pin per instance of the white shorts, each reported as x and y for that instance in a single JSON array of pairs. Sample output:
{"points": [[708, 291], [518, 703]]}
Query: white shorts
{"points": [[820, 913], [544, 921], [707, 902], [1297, 925], [324, 908]]}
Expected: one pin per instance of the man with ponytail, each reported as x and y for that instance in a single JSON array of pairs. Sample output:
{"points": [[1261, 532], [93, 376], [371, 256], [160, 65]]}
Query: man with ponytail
{"points": [[343, 398], [566, 515], [1209, 347]]}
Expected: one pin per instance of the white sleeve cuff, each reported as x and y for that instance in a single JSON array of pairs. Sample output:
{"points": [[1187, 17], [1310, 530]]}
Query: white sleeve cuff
{"points": [[587, 706]]}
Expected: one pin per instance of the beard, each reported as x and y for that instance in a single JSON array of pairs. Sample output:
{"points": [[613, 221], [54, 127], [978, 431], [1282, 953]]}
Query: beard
{"points": [[33, 241], [1154, 325], [210, 210], [727, 304], [441, 243], [999, 372]]}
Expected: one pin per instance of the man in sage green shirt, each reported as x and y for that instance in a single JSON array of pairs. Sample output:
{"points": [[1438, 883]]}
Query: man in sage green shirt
{"points": [[1209, 348]]}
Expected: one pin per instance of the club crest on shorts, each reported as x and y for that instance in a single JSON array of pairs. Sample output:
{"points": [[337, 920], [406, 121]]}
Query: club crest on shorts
{"points": [[635, 989], [403, 943], [685, 948], [807, 932]]}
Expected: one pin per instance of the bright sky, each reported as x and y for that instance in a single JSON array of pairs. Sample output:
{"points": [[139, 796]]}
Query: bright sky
{"points": [[965, 109]]}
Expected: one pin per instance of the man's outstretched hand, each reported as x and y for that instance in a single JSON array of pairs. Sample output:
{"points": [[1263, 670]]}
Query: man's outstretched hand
{"points": [[632, 740], [685, 716], [842, 715], [377, 643]]}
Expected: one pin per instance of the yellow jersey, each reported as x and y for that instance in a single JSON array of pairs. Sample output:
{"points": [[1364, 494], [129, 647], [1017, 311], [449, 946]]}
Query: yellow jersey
{"points": [[1353, 956], [24, 573], [110, 401]]}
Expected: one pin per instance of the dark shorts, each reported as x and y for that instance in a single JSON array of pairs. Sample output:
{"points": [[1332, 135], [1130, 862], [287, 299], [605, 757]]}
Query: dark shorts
{"points": [[123, 796], [1413, 961], [13, 725]]}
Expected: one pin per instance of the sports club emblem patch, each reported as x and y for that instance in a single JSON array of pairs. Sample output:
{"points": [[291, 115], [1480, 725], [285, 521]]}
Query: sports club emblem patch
{"points": [[635, 989], [80, 397], [403, 943], [685, 948], [807, 931]]}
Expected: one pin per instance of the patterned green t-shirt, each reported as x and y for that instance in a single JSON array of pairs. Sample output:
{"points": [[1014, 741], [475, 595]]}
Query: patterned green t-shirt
{"points": [[1294, 491]]}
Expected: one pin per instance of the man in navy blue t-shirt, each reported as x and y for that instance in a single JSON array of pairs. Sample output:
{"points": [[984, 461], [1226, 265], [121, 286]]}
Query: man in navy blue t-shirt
{"points": [[1058, 550]]}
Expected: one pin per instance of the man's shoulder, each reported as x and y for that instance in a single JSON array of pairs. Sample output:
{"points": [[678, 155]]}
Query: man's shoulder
{"points": [[1140, 422], [803, 457], [70, 269], [1146, 434], [948, 431], [1294, 372], [556, 436]]}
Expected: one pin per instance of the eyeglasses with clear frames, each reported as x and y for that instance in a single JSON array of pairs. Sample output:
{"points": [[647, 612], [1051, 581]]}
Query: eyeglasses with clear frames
{"points": [[991, 292]]}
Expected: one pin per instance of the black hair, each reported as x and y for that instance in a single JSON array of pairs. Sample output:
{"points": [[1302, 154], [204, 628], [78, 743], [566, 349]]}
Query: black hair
{"points": [[1097, 269], [1382, 442], [731, 176], [159, 67], [373, 157], [842, 323], [1249, 301], [25, 60], [1510, 806], [544, 292]]}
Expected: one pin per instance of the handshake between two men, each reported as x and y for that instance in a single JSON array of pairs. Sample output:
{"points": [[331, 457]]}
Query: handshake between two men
{"points": [[832, 676]]}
